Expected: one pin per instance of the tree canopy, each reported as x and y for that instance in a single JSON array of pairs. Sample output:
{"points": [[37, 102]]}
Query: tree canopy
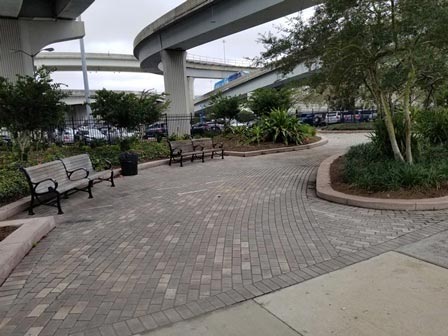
{"points": [[264, 100], [391, 47], [225, 107], [128, 110], [31, 103]]}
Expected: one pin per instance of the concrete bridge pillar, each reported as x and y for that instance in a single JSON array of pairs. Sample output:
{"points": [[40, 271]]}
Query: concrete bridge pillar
{"points": [[21, 40], [177, 88], [190, 81]]}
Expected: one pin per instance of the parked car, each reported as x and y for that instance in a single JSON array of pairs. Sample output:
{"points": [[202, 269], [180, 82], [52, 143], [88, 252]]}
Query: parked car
{"points": [[200, 128], [114, 135], [65, 136], [312, 118], [215, 126], [5, 140], [155, 130], [89, 135], [333, 117]]}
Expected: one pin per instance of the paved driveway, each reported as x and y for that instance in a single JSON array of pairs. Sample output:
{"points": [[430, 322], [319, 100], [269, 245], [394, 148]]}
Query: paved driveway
{"points": [[172, 243]]}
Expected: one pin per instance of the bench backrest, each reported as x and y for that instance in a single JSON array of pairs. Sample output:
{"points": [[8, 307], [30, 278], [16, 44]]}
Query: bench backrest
{"points": [[184, 145], [78, 161], [54, 170], [205, 143]]}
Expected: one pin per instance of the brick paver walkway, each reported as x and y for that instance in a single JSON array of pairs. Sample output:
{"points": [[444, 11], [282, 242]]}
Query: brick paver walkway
{"points": [[172, 243]]}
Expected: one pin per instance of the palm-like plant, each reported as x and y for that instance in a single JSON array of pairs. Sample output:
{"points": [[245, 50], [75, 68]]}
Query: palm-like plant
{"points": [[280, 125]]}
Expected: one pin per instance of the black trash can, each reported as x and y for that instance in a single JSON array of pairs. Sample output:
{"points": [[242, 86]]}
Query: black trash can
{"points": [[129, 164]]}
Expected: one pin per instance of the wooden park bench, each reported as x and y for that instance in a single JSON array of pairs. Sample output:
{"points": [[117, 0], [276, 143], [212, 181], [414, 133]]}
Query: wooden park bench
{"points": [[183, 148], [80, 166], [49, 181], [208, 147]]}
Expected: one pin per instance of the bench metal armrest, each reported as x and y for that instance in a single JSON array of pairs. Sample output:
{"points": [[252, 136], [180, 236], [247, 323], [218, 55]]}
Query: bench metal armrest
{"points": [[36, 184], [218, 145], [71, 172], [201, 148]]}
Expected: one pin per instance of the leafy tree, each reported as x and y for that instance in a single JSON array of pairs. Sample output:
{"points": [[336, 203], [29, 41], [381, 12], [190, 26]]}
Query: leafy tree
{"points": [[385, 45], [32, 103], [264, 100], [128, 110], [225, 107]]}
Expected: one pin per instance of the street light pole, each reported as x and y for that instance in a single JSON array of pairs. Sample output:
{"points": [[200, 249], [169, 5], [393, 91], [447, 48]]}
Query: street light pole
{"points": [[85, 76]]}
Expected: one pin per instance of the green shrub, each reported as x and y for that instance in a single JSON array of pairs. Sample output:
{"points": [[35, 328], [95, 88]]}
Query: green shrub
{"points": [[13, 185], [368, 168], [432, 125]]}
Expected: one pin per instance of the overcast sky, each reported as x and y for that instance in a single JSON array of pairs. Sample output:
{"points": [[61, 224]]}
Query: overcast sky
{"points": [[111, 26]]}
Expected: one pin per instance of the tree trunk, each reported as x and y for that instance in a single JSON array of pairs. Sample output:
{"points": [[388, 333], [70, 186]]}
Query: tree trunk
{"points": [[407, 115], [390, 129]]}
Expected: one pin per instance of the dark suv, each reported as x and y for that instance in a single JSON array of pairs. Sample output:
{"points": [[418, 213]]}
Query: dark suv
{"points": [[156, 130]]}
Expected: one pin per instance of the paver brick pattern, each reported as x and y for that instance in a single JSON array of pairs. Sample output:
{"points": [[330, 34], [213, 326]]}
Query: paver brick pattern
{"points": [[171, 237]]}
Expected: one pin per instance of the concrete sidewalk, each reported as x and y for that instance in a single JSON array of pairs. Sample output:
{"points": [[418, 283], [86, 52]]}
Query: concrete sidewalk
{"points": [[392, 294]]}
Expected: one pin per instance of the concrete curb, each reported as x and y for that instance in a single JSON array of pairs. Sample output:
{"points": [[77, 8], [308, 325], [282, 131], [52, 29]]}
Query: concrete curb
{"points": [[325, 191], [14, 247], [321, 142]]}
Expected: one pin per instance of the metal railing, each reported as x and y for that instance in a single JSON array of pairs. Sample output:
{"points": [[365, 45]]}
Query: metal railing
{"points": [[244, 63]]}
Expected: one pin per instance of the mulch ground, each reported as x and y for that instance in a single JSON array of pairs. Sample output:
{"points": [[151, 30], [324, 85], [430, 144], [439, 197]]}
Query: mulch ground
{"points": [[5, 231], [338, 184], [237, 146]]}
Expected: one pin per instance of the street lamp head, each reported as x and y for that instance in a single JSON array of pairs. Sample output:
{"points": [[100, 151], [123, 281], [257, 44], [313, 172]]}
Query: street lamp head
{"points": [[28, 54]]}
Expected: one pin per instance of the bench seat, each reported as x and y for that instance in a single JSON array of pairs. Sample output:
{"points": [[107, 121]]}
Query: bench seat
{"points": [[49, 181], [184, 148]]}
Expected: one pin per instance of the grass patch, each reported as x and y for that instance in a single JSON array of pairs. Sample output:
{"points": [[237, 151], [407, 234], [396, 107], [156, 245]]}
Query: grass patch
{"points": [[364, 126]]}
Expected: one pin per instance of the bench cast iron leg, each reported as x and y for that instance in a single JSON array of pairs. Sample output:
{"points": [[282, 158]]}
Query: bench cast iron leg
{"points": [[222, 154], [181, 163], [203, 156], [58, 200], [171, 158], [89, 189], [112, 179], [30, 209]]}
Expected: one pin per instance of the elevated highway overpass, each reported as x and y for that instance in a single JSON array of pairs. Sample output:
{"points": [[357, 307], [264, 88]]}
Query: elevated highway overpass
{"points": [[197, 67], [262, 78], [194, 23]]}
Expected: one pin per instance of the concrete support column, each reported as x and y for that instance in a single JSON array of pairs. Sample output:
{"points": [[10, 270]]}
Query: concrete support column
{"points": [[190, 81], [21, 40], [13, 63], [176, 86]]}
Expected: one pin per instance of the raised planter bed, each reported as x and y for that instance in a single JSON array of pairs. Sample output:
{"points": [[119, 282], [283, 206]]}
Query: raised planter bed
{"points": [[15, 246], [325, 191], [319, 143]]}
